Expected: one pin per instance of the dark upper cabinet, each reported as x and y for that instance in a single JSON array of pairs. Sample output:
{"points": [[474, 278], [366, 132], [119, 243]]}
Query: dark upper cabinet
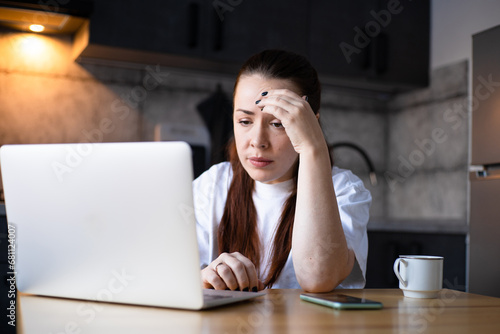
{"points": [[247, 27], [405, 52], [381, 45], [333, 49], [371, 44], [212, 35], [163, 26]]}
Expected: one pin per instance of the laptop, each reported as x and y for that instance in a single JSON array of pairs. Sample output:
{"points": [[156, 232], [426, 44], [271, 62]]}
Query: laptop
{"points": [[109, 222]]}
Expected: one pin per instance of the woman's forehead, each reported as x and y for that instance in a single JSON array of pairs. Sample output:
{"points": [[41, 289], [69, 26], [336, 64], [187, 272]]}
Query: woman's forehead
{"points": [[253, 85]]}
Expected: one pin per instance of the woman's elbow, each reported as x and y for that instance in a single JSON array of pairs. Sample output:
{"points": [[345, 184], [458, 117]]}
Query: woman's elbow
{"points": [[322, 284], [317, 288], [316, 277]]}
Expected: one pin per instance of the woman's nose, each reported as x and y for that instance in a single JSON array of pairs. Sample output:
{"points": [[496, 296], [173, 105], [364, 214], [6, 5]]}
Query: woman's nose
{"points": [[259, 138]]}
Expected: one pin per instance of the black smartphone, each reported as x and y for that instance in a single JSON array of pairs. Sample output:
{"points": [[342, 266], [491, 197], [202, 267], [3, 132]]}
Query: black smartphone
{"points": [[340, 301]]}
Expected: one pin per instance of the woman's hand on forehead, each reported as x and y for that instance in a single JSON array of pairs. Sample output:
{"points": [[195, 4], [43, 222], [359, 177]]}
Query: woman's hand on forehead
{"points": [[296, 115]]}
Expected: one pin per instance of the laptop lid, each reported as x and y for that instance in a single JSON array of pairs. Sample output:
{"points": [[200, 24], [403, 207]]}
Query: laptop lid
{"points": [[108, 221]]}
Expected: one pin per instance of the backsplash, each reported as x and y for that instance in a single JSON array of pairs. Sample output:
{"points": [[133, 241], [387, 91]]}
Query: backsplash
{"points": [[60, 100], [427, 163]]}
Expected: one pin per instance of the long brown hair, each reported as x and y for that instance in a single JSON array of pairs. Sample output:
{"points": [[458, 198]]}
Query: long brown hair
{"points": [[238, 227]]}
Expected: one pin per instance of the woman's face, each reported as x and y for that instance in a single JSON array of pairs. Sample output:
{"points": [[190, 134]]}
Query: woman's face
{"points": [[264, 149]]}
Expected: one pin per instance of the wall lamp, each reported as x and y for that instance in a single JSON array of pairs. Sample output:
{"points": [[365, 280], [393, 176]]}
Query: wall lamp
{"points": [[47, 16]]}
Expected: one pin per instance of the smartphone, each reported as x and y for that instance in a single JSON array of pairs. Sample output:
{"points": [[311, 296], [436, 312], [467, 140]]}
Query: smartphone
{"points": [[340, 301]]}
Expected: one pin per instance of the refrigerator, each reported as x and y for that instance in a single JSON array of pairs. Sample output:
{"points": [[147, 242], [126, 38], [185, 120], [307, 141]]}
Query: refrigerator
{"points": [[484, 171]]}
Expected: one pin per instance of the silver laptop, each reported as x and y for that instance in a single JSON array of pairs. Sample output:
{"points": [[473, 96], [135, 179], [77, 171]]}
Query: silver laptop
{"points": [[108, 222]]}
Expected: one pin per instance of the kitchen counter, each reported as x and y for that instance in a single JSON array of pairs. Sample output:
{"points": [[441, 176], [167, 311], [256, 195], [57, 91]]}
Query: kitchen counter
{"points": [[444, 226]]}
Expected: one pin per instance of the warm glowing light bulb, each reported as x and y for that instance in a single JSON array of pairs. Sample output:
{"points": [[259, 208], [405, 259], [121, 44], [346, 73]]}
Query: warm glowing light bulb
{"points": [[37, 28], [32, 46]]}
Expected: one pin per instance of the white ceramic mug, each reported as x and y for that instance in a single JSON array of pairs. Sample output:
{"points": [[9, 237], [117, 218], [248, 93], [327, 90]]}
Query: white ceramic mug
{"points": [[420, 276]]}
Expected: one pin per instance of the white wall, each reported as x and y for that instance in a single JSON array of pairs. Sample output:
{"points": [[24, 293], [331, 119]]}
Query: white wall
{"points": [[453, 22]]}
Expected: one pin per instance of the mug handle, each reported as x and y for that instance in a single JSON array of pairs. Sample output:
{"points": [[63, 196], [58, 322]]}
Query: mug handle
{"points": [[398, 274]]}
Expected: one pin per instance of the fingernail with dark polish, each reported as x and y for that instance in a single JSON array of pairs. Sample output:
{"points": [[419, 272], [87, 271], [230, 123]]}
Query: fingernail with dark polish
{"points": [[264, 93], [307, 98], [245, 289], [254, 289], [257, 102]]}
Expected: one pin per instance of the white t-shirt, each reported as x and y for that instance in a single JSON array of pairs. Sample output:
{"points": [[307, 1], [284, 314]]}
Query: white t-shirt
{"points": [[354, 200]]}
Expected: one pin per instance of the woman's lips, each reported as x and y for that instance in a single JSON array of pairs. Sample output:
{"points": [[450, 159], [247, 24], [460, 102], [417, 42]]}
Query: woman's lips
{"points": [[260, 162]]}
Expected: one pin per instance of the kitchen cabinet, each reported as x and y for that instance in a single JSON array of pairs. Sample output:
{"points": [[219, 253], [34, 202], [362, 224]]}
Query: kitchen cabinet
{"points": [[371, 44], [151, 25], [385, 247], [220, 30], [251, 26], [333, 29], [379, 45]]}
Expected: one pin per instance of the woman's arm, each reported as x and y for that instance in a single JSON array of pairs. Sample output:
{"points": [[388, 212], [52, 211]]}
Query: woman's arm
{"points": [[320, 255]]}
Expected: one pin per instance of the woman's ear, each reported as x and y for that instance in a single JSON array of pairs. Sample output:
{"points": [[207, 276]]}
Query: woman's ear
{"points": [[317, 116]]}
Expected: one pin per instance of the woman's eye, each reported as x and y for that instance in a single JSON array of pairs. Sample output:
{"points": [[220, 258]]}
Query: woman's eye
{"points": [[277, 124], [244, 122]]}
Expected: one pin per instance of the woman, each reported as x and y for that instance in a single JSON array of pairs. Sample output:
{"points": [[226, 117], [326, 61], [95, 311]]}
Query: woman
{"points": [[274, 215]]}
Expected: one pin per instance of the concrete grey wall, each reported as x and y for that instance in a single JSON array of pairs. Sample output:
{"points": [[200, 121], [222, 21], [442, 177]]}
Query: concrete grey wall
{"points": [[361, 120], [428, 148]]}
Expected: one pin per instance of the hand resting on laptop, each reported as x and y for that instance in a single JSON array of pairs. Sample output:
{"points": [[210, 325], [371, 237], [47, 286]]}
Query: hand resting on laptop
{"points": [[231, 271]]}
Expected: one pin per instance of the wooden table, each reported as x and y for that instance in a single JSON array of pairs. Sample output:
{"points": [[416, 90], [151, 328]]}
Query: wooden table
{"points": [[280, 311]]}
